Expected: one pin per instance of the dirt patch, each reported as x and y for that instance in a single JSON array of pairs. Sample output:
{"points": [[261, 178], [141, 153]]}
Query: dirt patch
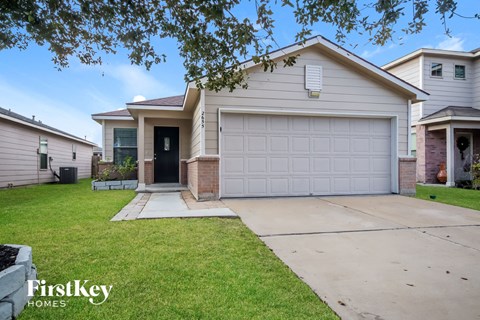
{"points": [[8, 255]]}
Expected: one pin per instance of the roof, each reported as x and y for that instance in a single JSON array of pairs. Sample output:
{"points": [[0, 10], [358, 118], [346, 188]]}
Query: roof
{"points": [[173, 101], [454, 111], [10, 115], [439, 52], [116, 113]]}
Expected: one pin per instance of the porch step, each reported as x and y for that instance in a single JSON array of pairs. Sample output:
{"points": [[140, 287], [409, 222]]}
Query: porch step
{"points": [[163, 187]]}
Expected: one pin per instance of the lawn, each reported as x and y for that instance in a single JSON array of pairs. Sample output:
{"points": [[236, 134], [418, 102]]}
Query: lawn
{"points": [[454, 196], [160, 269]]}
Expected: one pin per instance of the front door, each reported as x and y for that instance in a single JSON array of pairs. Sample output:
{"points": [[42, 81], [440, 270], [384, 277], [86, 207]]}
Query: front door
{"points": [[166, 158]]}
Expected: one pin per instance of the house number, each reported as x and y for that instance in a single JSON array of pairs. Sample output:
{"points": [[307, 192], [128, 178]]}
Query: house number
{"points": [[203, 119]]}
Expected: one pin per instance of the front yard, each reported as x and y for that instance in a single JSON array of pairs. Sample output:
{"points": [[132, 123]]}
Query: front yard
{"points": [[457, 197], [159, 269]]}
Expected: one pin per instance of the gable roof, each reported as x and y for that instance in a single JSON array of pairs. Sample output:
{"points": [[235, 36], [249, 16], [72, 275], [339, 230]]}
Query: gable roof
{"points": [[18, 118], [438, 52], [116, 113], [371, 69]]}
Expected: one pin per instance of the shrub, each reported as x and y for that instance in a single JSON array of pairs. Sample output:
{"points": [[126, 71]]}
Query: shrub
{"points": [[476, 172]]}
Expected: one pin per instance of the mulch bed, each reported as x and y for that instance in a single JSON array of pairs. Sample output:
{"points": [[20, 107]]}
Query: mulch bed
{"points": [[8, 255]]}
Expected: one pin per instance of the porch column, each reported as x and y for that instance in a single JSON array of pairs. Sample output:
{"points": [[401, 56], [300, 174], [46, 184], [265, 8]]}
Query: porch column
{"points": [[141, 152], [450, 152]]}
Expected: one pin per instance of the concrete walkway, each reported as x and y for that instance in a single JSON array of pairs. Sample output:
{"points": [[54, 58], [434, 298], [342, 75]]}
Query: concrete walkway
{"points": [[171, 205], [376, 257]]}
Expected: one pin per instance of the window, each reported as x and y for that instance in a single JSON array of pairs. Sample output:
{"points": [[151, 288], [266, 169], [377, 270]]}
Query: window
{"points": [[43, 152], [74, 152], [436, 69], [414, 145], [125, 144], [459, 72]]}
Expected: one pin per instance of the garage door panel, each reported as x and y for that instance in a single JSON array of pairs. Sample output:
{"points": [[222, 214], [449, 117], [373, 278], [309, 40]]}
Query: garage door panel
{"points": [[257, 144], [292, 155]]}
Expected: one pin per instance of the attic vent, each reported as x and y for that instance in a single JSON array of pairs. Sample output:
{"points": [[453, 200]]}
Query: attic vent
{"points": [[313, 80]]}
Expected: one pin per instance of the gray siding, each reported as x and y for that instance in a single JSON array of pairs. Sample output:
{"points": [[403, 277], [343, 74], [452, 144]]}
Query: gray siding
{"points": [[447, 91], [476, 83], [20, 163], [196, 131], [344, 90]]}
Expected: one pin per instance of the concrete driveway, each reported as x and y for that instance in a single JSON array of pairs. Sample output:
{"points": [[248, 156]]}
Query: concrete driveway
{"points": [[376, 257]]}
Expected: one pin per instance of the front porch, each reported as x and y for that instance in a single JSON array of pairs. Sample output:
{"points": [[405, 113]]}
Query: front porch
{"points": [[452, 141]]}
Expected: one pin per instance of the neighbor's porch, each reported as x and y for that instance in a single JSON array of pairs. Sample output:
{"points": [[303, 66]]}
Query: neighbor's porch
{"points": [[453, 143]]}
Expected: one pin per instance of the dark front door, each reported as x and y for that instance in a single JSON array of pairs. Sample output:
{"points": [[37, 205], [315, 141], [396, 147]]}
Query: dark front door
{"points": [[166, 158]]}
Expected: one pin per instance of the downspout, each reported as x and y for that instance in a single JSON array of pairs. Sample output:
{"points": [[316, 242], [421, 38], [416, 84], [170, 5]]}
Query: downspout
{"points": [[409, 124]]}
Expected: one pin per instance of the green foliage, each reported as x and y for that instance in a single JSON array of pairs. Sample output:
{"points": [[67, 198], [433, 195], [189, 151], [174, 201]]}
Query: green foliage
{"points": [[476, 172], [105, 174], [160, 269], [127, 168], [212, 36]]}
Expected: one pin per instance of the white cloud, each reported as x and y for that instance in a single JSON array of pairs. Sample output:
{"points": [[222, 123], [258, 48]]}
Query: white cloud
{"points": [[451, 43], [367, 54], [50, 111], [139, 98]]}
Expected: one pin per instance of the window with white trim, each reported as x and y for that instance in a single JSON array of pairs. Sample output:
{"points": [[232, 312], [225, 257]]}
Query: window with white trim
{"points": [[43, 153], [74, 152], [124, 144], [436, 70], [459, 71]]}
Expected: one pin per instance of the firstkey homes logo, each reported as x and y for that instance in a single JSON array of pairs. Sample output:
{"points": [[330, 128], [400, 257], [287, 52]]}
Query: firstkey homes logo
{"points": [[96, 294]]}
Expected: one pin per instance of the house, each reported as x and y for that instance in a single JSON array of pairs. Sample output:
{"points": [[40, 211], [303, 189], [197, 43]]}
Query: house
{"points": [[31, 151], [332, 124], [447, 126]]}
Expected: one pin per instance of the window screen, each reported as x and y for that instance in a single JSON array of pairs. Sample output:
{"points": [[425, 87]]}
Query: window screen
{"points": [[43, 152], [436, 69], [459, 72]]}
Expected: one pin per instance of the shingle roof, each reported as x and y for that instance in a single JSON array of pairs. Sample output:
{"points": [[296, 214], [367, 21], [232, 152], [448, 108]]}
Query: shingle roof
{"points": [[116, 113], [174, 101], [39, 124], [454, 111]]}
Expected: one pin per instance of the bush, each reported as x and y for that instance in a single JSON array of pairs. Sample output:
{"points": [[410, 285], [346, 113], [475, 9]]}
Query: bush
{"points": [[476, 172], [123, 171]]}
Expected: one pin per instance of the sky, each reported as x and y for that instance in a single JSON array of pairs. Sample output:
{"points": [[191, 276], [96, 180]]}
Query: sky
{"points": [[30, 83]]}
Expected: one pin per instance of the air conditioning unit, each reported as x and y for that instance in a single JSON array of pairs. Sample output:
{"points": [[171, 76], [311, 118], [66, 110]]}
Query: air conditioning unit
{"points": [[68, 175]]}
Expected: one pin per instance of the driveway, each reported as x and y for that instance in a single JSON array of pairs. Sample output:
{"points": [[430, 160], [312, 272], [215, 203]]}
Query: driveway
{"points": [[376, 257]]}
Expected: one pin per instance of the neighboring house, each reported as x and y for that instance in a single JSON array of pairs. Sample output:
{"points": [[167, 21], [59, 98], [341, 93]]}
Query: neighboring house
{"points": [[449, 121], [29, 148], [332, 124]]}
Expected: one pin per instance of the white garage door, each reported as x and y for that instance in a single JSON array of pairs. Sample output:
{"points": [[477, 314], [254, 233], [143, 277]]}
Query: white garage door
{"points": [[265, 155]]}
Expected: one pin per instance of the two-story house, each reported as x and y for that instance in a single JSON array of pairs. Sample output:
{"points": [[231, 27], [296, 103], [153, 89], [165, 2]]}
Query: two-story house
{"points": [[446, 128]]}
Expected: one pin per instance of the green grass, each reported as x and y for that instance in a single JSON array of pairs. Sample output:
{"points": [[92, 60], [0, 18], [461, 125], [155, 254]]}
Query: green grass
{"points": [[160, 269], [454, 196]]}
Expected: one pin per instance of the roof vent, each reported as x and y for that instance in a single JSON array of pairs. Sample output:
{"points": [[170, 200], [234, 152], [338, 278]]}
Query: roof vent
{"points": [[313, 80], [33, 118]]}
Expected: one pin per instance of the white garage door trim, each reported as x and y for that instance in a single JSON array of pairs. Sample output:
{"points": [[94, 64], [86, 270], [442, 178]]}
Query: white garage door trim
{"points": [[393, 127]]}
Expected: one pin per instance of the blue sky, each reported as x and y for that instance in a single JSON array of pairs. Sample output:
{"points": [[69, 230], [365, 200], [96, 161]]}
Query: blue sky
{"points": [[31, 85]]}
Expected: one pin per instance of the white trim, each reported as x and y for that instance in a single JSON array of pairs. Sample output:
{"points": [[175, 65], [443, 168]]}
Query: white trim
{"points": [[450, 137], [203, 122], [449, 118], [421, 83], [156, 108], [121, 118], [394, 132], [104, 132], [6, 117]]}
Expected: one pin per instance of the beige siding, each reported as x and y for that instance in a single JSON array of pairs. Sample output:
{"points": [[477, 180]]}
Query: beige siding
{"points": [[19, 161], [185, 129], [196, 131], [108, 139], [345, 90], [447, 91], [408, 71]]}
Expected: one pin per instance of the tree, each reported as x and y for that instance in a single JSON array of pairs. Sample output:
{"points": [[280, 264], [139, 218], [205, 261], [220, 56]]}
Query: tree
{"points": [[212, 38]]}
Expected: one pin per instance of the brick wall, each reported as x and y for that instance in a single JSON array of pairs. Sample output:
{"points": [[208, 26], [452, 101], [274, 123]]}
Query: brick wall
{"points": [[431, 152], [183, 172], [407, 176], [149, 172], [203, 177]]}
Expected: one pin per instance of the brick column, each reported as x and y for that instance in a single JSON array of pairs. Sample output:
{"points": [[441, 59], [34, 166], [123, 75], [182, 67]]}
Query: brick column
{"points": [[407, 176], [203, 177], [148, 171], [183, 172]]}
